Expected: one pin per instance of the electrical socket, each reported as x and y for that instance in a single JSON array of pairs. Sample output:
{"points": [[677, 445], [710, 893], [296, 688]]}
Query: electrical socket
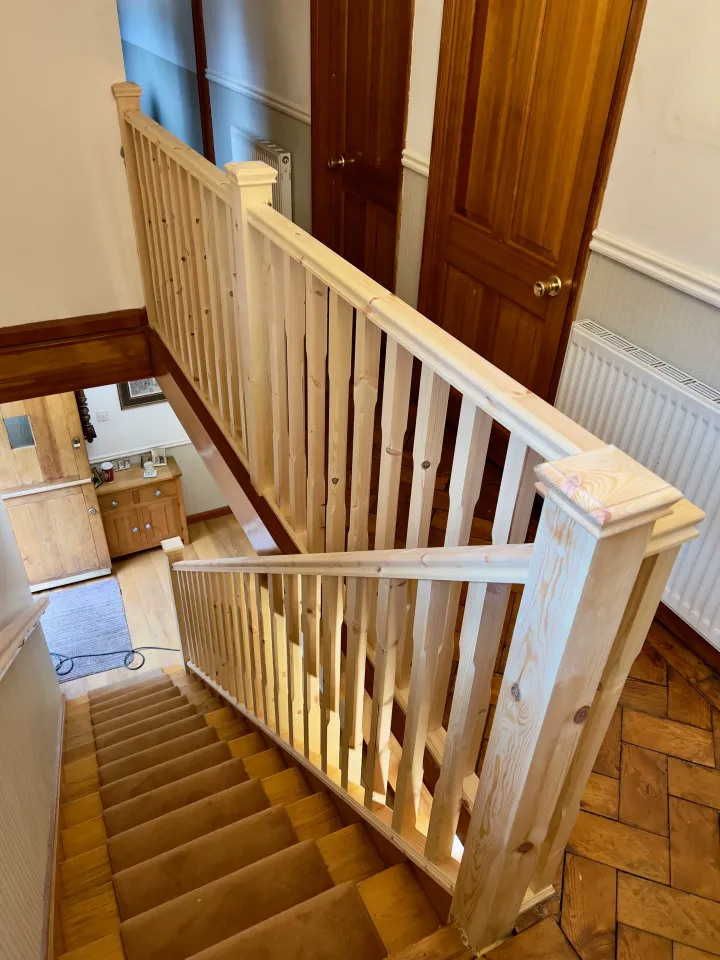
{"points": [[102, 416]]}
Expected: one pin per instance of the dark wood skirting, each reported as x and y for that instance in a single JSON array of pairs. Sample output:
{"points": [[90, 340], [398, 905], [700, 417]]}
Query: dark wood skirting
{"points": [[208, 515], [163, 363], [55, 356], [691, 638]]}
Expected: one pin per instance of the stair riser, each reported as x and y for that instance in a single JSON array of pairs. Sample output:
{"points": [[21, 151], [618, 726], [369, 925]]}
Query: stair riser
{"points": [[218, 910], [134, 730], [202, 861], [112, 713], [127, 696], [195, 819], [154, 756], [148, 713], [130, 682]]}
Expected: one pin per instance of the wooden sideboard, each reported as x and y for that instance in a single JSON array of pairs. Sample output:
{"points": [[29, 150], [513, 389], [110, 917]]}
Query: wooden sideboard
{"points": [[138, 512]]}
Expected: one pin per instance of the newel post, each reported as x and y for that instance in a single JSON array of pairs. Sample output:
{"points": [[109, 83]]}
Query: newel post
{"points": [[251, 185], [174, 550], [596, 522], [127, 97]]}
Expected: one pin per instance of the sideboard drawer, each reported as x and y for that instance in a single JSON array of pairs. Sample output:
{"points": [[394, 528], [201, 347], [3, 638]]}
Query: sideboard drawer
{"points": [[115, 501], [165, 488]]}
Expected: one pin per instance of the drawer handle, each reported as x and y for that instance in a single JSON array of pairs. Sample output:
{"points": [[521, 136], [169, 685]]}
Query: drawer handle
{"points": [[114, 503], [148, 526], [136, 529], [158, 493]]}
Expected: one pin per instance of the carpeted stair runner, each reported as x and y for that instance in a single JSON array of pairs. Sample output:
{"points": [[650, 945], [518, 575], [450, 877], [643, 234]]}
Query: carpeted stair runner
{"points": [[184, 835]]}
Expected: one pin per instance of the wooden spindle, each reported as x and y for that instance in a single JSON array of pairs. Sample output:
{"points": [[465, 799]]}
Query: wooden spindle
{"points": [[311, 665], [293, 618], [238, 658], [597, 520], [244, 641], [316, 300], [274, 291], [427, 449], [148, 215], [231, 325], [340, 329], [253, 644], [279, 654], [331, 625], [294, 287], [201, 207], [263, 645], [471, 445], [431, 597]]}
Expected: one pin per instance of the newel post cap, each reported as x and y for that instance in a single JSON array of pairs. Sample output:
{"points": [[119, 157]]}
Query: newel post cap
{"points": [[606, 491], [251, 173], [126, 90]]}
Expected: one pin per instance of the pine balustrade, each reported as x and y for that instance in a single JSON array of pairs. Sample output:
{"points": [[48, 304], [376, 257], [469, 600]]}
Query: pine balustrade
{"points": [[301, 358]]}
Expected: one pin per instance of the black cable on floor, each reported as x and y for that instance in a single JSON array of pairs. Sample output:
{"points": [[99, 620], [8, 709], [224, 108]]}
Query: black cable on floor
{"points": [[129, 656]]}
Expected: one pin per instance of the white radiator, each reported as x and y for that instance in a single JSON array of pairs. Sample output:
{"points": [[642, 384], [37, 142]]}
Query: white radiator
{"points": [[247, 147], [669, 422]]}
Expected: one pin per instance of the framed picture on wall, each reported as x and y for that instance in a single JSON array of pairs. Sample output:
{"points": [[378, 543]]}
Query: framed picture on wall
{"points": [[136, 393]]}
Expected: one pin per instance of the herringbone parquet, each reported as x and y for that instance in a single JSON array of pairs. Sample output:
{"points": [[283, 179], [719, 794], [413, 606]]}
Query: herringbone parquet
{"points": [[641, 876]]}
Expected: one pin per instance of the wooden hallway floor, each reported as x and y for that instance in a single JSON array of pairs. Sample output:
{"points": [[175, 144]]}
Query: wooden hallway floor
{"points": [[641, 874]]}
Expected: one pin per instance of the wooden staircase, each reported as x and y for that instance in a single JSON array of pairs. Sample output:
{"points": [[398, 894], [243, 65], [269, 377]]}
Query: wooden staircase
{"points": [[183, 835]]}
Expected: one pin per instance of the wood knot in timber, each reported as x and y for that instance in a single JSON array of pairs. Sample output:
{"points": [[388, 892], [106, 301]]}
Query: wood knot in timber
{"points": [[581, 715], [515, 691], [335, 481], [425, 464], [525, 847]]}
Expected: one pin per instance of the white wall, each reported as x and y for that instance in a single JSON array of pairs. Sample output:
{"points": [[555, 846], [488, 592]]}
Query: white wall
{"points": [[131, 432], [67, 245], [263, 46], [654, 270], [663, 192], [162, 27]]}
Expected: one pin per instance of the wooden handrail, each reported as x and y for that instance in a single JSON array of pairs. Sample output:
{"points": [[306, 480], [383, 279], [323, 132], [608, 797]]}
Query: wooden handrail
{"points": [[286, 343], [503, 564], [14, 635]]}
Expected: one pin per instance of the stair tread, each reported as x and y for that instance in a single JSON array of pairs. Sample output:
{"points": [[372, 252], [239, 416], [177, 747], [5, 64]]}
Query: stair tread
{"points": [[130, 681], [332, 925], [350, 854], [170, 692], [399, 907], [164, 773], [188, 822], [146, 713], [218, 910], [105, 740], [128, 696], [445, 944], [108, 948], [203, 860], [151, 738], [314, 817], [247, 745], [156, 755], [286, 787], [172, 796], [264, 764]]}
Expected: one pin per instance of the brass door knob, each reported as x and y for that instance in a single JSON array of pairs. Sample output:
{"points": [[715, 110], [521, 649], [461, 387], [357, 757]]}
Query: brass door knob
{"points": [[339, 162], [550, 288]]}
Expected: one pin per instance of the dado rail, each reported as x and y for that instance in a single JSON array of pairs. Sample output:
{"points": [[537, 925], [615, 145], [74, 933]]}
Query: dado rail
{"points": [[287, 344]]}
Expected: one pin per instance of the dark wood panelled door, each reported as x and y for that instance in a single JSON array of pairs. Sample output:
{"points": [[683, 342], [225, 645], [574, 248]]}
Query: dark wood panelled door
{"points": [[524, 96], [360, 57]]}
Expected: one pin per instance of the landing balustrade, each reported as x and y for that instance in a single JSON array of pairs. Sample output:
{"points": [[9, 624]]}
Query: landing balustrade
{"points": [[294, 351]]}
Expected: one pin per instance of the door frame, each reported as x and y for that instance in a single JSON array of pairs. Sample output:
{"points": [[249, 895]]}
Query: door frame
{"points": [[612, 126]]}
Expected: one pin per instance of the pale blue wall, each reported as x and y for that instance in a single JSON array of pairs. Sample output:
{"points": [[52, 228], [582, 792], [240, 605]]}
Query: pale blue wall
{"points": [[169, 93]]}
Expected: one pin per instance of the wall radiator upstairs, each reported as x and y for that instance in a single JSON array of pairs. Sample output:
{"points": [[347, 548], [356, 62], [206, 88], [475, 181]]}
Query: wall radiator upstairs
{"points": [[668, 421], [246, 146]]}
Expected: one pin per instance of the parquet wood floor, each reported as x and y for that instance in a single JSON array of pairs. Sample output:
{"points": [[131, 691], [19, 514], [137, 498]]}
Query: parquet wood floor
{"points": [[641, 873]]}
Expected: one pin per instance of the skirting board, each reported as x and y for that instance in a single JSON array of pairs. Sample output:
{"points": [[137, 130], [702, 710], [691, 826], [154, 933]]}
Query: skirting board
{"points": [[50, 896], [208, 515]]}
